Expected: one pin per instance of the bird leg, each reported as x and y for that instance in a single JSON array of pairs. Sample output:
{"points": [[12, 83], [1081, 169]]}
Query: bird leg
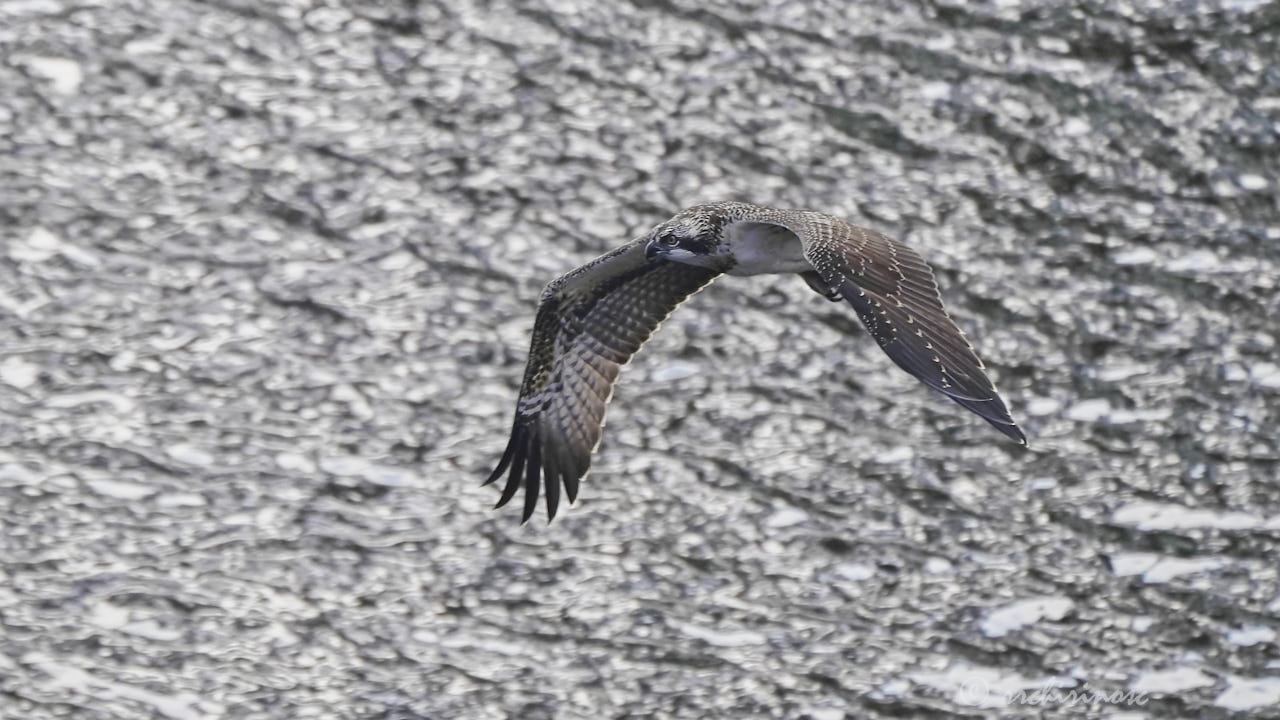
{"points": [[814, 280]]}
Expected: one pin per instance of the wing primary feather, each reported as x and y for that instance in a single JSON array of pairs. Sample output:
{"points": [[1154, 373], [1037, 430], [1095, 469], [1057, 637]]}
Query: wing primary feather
{"points": [[533, 467], [569, 471], [551, 479], [571, 487], [520, 437], [505, 461], [558, 475]]}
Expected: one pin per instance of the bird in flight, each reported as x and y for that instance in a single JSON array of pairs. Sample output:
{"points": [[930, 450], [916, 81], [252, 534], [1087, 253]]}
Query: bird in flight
{"points": [[592, 320]]}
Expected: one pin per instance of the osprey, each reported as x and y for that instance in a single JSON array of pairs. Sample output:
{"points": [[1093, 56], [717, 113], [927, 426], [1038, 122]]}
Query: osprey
{"points": [[592, 320]]}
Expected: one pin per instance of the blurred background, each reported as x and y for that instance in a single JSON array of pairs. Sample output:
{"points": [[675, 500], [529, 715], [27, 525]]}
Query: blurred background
{"points": [[267, 279]]}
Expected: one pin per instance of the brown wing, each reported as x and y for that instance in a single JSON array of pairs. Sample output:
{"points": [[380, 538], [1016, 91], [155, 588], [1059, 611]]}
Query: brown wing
{"points": [[589, 324], [894, 292]]}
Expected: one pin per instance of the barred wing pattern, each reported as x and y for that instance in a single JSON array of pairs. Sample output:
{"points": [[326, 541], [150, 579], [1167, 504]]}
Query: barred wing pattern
{"points": [[894, 293], [590, 322]]}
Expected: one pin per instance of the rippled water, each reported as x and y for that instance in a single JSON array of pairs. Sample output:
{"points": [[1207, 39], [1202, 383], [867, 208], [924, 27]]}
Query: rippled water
{"points": [[268, 274]]}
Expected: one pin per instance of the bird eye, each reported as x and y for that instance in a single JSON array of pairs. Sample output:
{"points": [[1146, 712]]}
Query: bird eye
{"points": [[669, 239]]}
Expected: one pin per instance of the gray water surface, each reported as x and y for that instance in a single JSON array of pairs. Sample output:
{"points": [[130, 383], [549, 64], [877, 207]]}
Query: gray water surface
{"points": [[268, 273]]}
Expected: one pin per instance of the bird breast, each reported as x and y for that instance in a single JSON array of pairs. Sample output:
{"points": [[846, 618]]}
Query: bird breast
{"points": [[762, 248]]}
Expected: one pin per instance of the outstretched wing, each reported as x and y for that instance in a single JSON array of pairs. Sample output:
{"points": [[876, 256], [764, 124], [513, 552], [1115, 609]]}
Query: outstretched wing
{"points": [[589, 324], [894, 292]]}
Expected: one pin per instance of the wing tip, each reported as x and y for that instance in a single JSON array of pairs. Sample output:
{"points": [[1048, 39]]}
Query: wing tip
{"points": [[506, 458], [527, 463], [533, 479], [517, 447], [1013, 432], [1000, 419]]}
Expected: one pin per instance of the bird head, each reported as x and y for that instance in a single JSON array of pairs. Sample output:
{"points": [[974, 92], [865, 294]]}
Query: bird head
{"points": [[692, 237]]}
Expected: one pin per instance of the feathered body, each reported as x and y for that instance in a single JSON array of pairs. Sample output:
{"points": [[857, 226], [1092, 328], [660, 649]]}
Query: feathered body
{"points": [[592, 320]]}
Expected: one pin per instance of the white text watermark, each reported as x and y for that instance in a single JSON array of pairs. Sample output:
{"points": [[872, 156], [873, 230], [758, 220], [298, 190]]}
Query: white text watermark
{"points": [[976, 691]]}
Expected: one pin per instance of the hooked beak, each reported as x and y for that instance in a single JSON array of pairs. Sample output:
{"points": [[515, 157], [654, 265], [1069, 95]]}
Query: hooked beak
{"points": [[652, 250]]}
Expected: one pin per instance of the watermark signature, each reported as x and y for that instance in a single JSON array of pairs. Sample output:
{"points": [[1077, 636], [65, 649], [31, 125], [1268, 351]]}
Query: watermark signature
{"points": [[977, 692]]}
